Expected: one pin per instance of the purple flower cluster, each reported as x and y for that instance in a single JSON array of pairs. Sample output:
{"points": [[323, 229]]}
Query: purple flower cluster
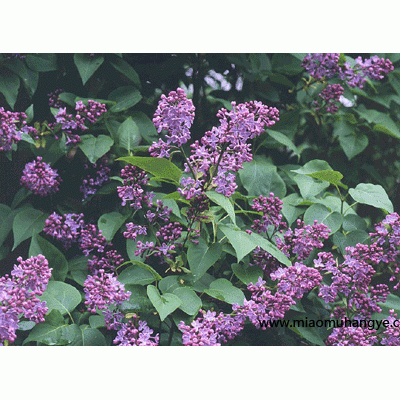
{"points": [[351, 279], [331, 97], [303, 239], [224, 149], [296, 279], [174, 114], [373, 68], [10, 128], [321, 65], [270, 207], [40, 178], [352, 336], [135, 333], [221, 152], [264, 306], [110, 260], [70, 122], [167, 235], [211, 329], [103, 289], [391, 335], [134, 180], [99, 173], [65, 228], [326, 65], [54, 100], [91, 240], [19, 295]]}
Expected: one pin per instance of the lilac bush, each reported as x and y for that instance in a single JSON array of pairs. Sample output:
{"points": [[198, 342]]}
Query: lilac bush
{"points": [[148, 219]]}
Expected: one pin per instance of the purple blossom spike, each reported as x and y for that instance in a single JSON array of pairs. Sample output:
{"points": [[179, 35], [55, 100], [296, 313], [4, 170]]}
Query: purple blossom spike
{"points": [[40, 178]]}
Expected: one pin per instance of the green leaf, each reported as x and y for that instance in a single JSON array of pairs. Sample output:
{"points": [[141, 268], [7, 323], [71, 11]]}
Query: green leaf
{"points": [[28, 77], [224, 202], [382, 122], [355, 237], [95, 147], [125, 97], [320, 169], [138, 300], [147, 130], [89, 337], [122, 66], [352, 222], [283, 139], [373, 195], [201, 257], [164, 304], [26, 223], [310, 187], [109, 224], [96, 321], [333, 220], [42, 62], [128, 134], [191, 303], [9, 85], [260, 177], [352, 142], [286, 64], [270, 248], [241, 241], [247, 274], [310, 334], [136, 275], [61, 296], [159, 167], [87, 65], [223, 290], [170, 283], [56, 259], [289, 211], [68, 98], [53, 332]]}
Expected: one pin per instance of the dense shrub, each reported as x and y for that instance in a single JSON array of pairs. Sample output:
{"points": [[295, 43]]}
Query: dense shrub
{"points": [[194, 199]]}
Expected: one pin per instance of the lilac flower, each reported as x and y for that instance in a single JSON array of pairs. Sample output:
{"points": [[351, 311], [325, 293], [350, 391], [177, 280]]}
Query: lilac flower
{"points": [[391, 335], [110, 261], [65, 228], [136, 333], [331, 96], [133, 190], [99, 173], [71, 122], [103, 289], [211, 329], [303, 239], [321, 65], [91, 240], [54, 100], [40, 178], [175, 114], [296, 279], [352, 336], [264, 306], [10, 124], [225, 148], [373, 68], [133, 230], [271, 213], [19, 295]]}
